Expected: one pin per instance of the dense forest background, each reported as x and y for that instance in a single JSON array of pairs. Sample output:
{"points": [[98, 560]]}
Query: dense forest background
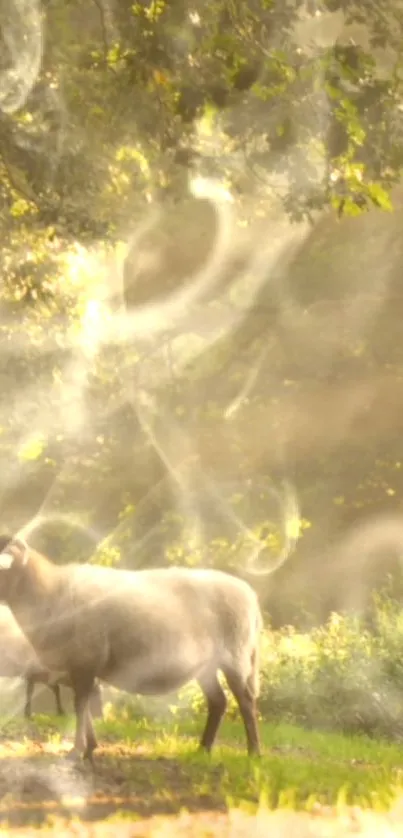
{"points": [[201, 297]]}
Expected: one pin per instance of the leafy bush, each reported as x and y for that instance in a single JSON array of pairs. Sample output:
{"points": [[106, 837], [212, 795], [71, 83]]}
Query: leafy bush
{"points": [[342, 676]]}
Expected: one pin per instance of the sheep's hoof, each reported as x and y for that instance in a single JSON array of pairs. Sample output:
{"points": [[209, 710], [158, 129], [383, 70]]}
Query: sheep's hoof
{"points": [[89, 757], [204, 749], [74, 756]]}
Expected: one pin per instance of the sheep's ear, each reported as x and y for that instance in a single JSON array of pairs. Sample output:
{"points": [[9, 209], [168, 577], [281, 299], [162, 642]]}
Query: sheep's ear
{"points": [[6, 560]]}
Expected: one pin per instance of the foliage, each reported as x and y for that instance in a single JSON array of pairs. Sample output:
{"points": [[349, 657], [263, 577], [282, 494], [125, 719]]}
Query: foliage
{"points": [[164, 86], [129, 101], [343, 676]]}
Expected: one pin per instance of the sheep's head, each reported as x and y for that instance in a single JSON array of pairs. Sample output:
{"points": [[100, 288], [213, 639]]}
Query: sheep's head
{"points": [[13, 557]]}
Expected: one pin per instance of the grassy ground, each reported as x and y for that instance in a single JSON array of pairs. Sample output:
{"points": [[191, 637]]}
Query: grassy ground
{"points": [[341, 679], [145, 770]]}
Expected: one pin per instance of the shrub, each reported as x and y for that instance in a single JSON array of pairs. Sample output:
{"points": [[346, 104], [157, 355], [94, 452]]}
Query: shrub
{"points": [[342, 676]]}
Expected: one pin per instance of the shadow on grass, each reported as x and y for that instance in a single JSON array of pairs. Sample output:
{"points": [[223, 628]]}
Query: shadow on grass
{"points": [[42, 785]]}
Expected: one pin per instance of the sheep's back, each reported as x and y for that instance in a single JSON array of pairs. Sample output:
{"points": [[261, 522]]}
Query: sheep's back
{"points": [[137, 609]]}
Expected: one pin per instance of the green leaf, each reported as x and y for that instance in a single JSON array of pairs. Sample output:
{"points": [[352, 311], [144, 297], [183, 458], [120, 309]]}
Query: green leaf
{"points": [[380, 197], [32, 448]]}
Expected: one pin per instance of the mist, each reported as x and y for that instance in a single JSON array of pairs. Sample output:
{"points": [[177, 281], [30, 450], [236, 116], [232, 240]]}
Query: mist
{"points": [[200, 308]]}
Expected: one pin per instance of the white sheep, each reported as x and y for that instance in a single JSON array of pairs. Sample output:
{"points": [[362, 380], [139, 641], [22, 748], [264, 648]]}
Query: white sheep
{"points": [[18, 660], [147, 632]]}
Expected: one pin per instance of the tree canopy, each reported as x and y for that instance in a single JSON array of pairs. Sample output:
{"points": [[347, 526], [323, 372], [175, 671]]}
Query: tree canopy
{"points": [[200, 261]]}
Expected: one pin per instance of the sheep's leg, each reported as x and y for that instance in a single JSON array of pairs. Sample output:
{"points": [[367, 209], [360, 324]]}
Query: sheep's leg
{"points": [[80, 739], [92, 742], [30, 686], [96, 705], [216, 705], [243, 692], [58, 699], [84, 741]]}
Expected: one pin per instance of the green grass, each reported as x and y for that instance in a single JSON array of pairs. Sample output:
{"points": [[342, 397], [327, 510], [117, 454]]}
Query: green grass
{"points": [[147, 770], [303, 765], [297, 768]]}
